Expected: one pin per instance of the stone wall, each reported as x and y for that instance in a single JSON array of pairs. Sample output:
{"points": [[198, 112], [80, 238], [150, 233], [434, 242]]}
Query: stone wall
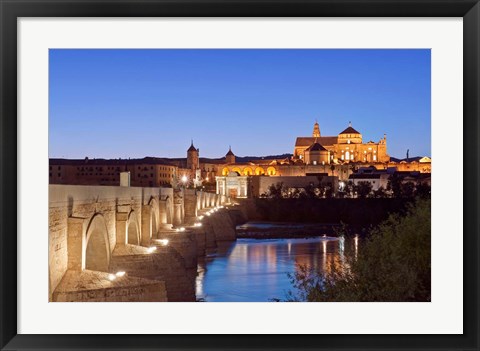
{"points": [[223, 226], [93, 286], [165, 265]]}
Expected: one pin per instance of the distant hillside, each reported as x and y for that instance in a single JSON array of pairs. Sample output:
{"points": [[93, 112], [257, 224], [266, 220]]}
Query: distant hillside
{"points": [[244, 158], [410, 159], [254, 158]]}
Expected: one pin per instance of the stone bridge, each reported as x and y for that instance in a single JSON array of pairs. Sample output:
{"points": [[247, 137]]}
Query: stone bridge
{"points": [[111, 243]]}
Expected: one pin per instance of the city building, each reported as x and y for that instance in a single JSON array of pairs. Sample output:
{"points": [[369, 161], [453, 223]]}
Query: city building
{"points": [[336, 157]]}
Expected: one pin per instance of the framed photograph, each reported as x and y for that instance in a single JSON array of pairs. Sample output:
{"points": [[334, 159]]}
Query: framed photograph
{"points": [[254, 175]]}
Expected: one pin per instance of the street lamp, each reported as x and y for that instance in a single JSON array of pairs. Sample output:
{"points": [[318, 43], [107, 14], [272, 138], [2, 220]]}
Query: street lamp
{"points": [[184, 180]]}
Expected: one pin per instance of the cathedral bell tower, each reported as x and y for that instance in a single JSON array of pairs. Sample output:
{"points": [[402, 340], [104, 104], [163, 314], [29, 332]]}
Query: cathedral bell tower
{"points": [[193, 159], [230, 156], [316, 130]]}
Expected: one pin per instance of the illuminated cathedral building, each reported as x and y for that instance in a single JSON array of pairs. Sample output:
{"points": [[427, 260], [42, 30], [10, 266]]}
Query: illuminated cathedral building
{"points": [[346, 147], [330, 159]]}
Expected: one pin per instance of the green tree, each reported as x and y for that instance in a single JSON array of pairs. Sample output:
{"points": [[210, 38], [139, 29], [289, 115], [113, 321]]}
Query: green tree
{"points": [[329, 191], [408, 189], [423, 190], [348, 189], [275, 191], [380, 192], [393, 264], [363, 189], [309, 191], [394, 185]]}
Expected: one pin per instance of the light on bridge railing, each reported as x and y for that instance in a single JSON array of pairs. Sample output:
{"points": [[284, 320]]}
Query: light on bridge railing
{"points": [[120, 274], [151, 249], [197, 224], [112, 277], [164, 242]]}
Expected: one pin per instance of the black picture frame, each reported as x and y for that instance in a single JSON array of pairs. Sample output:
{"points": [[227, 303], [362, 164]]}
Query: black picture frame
{"points": [[10, 10]]}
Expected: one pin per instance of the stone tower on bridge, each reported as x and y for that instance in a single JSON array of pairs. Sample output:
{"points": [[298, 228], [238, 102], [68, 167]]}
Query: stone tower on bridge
{"points": [[193, 158]]}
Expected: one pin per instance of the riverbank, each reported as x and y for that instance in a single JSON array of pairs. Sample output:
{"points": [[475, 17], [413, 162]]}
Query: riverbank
{"points": [[356, 213], [280, 230]]}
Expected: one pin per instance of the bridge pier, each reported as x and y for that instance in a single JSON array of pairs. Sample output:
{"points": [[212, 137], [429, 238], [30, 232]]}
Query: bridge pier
{"points": [[177, 208], [204, 199], [190, 205], [147, 216], [164, 217], [121, 228], [76, 242]]}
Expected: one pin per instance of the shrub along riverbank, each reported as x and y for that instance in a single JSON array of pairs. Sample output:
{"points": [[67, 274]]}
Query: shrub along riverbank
{"points": [[393, 264]]}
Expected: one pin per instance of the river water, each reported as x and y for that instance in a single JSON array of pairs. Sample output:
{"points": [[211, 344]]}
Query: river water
{"points": [[257, 270]]}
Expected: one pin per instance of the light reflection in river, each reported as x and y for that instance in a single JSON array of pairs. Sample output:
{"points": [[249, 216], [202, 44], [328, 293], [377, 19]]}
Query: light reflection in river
{"points": [[256, 270]]}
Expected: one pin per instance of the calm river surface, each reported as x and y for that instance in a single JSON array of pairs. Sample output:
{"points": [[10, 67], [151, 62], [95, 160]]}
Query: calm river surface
{"points": [[251, 270]]}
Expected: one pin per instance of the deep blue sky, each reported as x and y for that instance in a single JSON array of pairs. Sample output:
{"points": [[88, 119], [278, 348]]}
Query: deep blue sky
{"points": [[136, 103]]}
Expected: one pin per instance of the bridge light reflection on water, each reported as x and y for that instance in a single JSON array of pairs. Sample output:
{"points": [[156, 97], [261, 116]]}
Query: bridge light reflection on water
{"points": [[257, 270]]}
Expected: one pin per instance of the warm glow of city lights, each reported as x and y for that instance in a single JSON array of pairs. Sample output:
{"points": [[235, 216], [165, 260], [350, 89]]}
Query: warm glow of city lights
{"points": [[184, 178], [120, 274], [112, 277], [200, 218], [151, 249], [182, 229], [197, 224]]}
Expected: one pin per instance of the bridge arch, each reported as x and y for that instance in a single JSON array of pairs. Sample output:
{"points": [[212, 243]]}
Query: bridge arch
{"points": [[133, 229], [259, 171], [271, 171], [155, 213], [247, 171], [97, 247], [237, 170]]}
